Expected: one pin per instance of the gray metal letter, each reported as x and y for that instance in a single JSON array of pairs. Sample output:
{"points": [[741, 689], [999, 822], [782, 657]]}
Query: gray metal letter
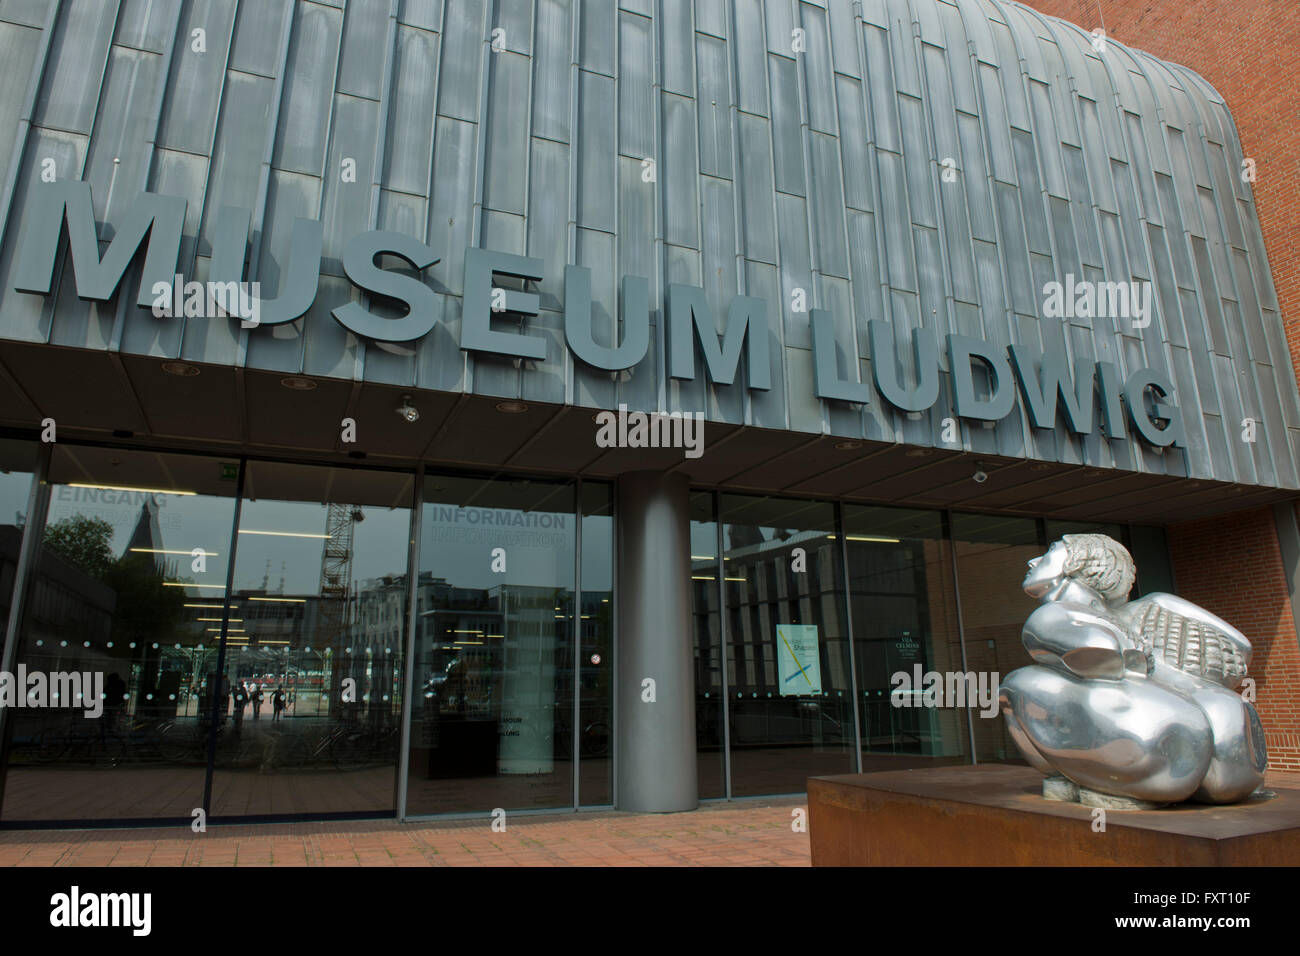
{"points": [[476, 332], [635, 309], [961, 349], [1112, 409], [1135, 390], [359, 263], [160, 217], [884, 367], [1040, 391], [688, 311], [297, 283], [826, 363]]}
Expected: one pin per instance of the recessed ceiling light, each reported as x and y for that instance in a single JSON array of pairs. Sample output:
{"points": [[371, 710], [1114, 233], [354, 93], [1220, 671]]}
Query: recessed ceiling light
{"points": [[1040, 466], [847, 445], [919, 452], [297, 383], [183, 369], [512, 407]]}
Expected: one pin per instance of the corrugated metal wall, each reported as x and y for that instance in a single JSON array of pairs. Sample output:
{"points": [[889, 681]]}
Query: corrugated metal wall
{"points": [[775, 170]]}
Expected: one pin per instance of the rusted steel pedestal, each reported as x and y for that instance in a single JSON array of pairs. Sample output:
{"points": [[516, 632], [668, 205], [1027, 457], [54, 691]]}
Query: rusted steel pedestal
{"points": [[994, 815]]}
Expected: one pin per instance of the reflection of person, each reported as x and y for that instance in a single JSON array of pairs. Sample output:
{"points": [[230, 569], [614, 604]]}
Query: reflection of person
{"points": [[241, 701], [225, 695], [1133, 699], [114, 700], [277, 703], [255, 695]]}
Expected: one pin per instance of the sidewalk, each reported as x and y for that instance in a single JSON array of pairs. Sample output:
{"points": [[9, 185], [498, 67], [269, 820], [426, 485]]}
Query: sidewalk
{"points": [[756, 833]]}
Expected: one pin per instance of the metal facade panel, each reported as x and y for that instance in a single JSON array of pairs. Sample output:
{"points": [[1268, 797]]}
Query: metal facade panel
{"points": [[636, 79], [451, 208], [507, 133], [361, 57], [597, 23], [756, 187], [30, 13], [596, 153], [19, 47], [259, 29], [711, 57], [678, 177], [308, 90], [464, 40], [78, 55], [796, 153], [416, 93], [547, 220], [553, 47], [237, 160], [194, 89], [119, 157], [146, 24], [345, 202]]}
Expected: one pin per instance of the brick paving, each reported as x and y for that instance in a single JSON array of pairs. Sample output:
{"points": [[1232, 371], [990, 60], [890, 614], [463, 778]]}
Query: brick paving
{"points": [[743, 833]]}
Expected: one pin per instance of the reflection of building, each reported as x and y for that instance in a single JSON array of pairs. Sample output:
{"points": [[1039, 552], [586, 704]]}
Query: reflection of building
{"points": [[66, 608], [764, 591]]}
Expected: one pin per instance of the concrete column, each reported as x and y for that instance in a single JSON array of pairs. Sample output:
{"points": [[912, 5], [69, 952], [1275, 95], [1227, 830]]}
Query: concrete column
{"points": [[656, 741]]}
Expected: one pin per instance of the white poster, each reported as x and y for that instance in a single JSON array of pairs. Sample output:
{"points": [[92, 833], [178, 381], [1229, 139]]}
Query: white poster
{"points": [[798, 661]]}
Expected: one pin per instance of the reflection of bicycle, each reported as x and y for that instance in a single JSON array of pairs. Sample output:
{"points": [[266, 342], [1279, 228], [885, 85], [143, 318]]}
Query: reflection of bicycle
{"points": [[186, 742], [343, 744], [81, 741], [593, 739]]}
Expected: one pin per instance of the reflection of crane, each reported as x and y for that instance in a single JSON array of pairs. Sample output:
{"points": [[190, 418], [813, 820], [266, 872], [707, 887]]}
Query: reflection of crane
{"points": [[335, 587]]}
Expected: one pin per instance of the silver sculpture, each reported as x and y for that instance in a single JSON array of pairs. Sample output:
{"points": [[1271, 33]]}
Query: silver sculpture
{"points": [[1129, 704]]}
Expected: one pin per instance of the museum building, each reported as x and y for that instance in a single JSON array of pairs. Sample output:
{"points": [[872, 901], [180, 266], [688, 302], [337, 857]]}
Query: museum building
{"points": [[353, 354]]}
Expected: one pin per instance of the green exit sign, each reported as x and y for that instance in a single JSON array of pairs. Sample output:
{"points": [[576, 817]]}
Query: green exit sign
{"points": [[229, 470]]}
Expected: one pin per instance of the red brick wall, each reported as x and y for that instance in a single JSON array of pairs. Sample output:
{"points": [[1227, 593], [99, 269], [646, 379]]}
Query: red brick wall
{"points": [[1247, 50], [1234, 569]]}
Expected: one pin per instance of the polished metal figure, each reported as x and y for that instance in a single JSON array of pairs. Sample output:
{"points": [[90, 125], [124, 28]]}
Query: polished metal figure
{"points": [[1129, 700]]}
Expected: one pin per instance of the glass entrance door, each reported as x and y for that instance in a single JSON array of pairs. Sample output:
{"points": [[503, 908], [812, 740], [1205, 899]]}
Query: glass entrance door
{"points": [[492, 716]]}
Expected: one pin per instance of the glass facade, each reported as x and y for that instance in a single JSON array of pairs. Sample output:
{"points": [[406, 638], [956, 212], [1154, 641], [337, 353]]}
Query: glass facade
{"points": [[492, 724], [902, 596], [129, 583], [790, 698], [264, 645], [310, 698]]}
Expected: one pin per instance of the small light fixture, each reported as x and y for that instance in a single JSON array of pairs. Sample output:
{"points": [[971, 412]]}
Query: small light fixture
{"points": [[407, 410], [981, 475], [296, 383], [848, 445], [182, 369], [512, 407], [919, 452]]}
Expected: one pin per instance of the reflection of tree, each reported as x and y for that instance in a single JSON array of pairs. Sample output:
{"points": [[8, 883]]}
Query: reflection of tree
{"points": [[146, 611], [83, 542]]}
